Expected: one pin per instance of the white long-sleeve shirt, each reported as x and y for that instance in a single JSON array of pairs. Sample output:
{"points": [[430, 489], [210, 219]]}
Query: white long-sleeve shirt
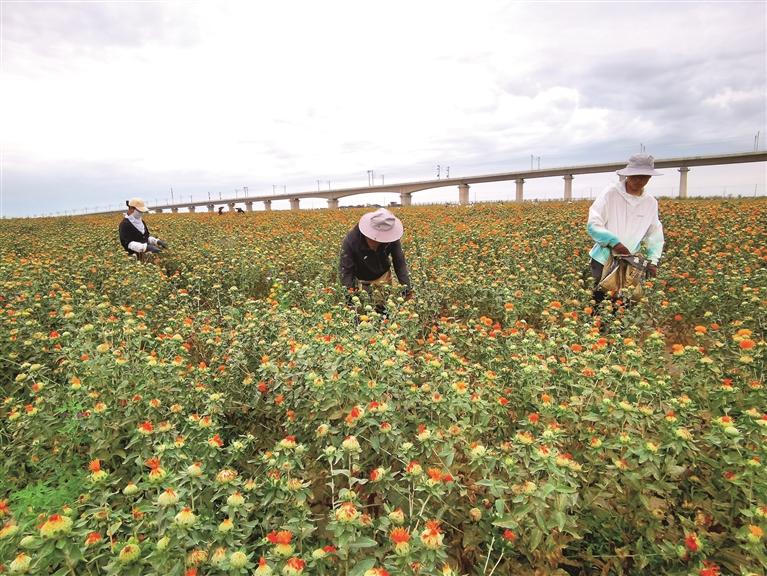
{"points": [[619, 217]]}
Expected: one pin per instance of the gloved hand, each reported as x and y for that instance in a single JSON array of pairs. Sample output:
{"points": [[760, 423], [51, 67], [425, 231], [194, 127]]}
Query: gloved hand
{"points": [[152, 249], [621, 250], [152, 241], [162, 244], [652, 270]]}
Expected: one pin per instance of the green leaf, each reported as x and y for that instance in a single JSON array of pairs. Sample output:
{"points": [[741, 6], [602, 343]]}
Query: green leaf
{"points": [[362, 566], [508, 521], [363, 543], [113, 528], [535, 538]]}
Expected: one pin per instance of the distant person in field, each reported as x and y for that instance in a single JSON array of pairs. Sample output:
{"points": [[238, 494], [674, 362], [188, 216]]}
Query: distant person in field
{"points": [[368, 252], [134, 233], [624, 217]]}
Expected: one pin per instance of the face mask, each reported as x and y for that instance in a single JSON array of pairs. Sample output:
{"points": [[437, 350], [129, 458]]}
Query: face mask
{"points": [[137, 215]]}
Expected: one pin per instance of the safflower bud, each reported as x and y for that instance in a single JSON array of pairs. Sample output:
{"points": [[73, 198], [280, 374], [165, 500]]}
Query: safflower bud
{"points": [[129, 553], [186, 517], [350, 444], [238, 559], [167, 498], [235, 500], [20, 564]]}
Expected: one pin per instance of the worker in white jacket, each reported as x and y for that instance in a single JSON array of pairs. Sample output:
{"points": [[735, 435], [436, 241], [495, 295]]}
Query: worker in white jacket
{"points": [[623, 217]]}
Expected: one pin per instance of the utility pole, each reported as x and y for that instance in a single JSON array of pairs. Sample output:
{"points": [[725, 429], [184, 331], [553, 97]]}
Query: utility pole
{"points": [[438, 169], [539, 162], [171, 195], [318, 185], [382, 179], [447, 172]]}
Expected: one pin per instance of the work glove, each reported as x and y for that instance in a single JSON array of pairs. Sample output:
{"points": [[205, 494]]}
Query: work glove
{"points": [[152, 249], [152, 241], [621, 250], [162, 244], [652, 270]]}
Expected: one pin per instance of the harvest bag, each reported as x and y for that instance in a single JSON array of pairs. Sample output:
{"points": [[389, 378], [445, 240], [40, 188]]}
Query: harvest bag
{"points": [[624, 273]]}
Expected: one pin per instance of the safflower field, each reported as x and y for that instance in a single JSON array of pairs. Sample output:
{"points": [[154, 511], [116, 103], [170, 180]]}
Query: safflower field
{"points": [[221, 410]]}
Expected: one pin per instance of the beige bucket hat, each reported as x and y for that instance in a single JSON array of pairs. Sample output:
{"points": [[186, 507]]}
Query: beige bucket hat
{"points": [[640, 165], [381, 226]]}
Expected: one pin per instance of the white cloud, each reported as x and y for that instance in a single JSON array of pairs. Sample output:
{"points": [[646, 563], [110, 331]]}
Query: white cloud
{"points": [[220, 92]]}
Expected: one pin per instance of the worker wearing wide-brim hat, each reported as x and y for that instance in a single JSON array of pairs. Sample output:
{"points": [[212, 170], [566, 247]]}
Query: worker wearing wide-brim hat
{"points": [[134, 233], [370, 249], [624, 217]]}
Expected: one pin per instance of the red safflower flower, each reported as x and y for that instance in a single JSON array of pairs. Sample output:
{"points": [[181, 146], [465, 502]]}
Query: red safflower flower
{"points": [[153, 463], [146, 427], [216, 440], [691, 542], [509, 535], [281, 537]]}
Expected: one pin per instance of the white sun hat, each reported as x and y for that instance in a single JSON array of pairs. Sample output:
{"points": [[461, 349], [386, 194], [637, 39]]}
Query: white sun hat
{"points": [[640, 165], [137, 203], [381, 226]]}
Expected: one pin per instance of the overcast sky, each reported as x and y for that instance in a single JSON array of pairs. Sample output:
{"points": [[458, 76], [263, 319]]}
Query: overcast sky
{"points": [[101, 101]]}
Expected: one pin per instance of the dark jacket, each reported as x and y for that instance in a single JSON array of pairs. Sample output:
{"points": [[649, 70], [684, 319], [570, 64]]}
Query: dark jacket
{"points": [[359, 262], [129, 233]]}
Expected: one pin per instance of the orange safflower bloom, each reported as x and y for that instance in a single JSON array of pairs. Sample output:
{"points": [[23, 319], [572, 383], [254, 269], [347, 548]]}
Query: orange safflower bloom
{"points": [[281, 537], [146, 427], [692, 543], [432, 536]]}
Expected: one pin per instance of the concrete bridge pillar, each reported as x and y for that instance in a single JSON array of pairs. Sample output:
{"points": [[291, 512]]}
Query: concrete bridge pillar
{"points": [[249, 206], [211, 208], [192, 208], [295, 204], [231, 206], [268, 205], [158, 210], [406, 198], [683, 181], [332, 203], [569, 187], [520, 186], [463, 193], [174, 210]]}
